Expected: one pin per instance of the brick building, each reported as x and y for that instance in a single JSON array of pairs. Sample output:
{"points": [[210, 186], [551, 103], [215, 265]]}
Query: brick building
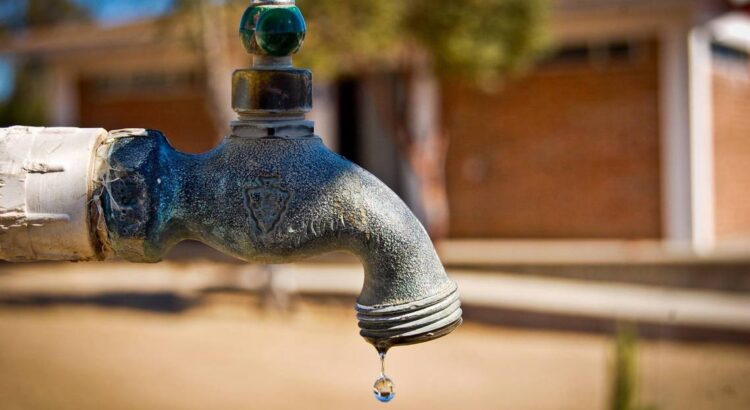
{"points": [[636, 127]]}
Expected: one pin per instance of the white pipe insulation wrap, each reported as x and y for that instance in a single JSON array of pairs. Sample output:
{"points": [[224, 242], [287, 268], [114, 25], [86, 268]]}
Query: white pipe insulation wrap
{"points": [[47, 177]]}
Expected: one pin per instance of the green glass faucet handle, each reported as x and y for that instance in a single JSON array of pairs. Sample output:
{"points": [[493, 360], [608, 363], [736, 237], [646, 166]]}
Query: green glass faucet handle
{"points": [[276, 30]]}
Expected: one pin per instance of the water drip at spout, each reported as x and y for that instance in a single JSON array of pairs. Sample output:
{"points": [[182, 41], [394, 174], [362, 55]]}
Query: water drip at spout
{"points": [[383, 387]]}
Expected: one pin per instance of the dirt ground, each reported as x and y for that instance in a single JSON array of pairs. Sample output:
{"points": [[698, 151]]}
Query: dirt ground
{"points": [[229, 354]]}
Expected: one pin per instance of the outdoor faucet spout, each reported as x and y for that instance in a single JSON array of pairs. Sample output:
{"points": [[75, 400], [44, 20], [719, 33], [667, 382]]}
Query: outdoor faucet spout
{"points": [[280, 199]]}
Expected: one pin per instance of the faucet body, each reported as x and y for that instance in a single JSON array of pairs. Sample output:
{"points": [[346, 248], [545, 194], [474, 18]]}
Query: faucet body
{"points": [[277, 199]]}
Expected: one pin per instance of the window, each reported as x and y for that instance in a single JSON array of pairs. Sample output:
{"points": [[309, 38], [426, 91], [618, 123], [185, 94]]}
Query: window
{"points": [[599, 54], [723, 52]]}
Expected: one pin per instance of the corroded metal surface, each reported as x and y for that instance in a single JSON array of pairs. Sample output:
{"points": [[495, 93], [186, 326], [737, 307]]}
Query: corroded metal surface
{"points": [[280, 199]]}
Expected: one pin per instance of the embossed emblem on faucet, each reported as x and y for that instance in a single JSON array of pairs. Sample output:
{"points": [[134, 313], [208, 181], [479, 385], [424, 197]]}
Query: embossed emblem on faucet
{"points": [[266, 200]]}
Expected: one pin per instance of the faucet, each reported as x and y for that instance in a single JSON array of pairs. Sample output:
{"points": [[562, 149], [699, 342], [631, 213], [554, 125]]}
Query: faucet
{"points": [[271, 192]]}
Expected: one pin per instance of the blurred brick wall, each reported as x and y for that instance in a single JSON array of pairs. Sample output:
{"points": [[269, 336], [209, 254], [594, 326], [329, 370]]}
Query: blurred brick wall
{"points": [[181, 113], [569, 151], [732, 151]]}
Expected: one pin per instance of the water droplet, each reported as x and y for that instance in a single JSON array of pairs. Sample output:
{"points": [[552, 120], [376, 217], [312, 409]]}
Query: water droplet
{"points": [[383, 387]]}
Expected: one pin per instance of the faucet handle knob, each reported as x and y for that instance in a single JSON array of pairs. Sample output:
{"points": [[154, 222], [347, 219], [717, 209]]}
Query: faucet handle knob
{"points": [[273, 28]]}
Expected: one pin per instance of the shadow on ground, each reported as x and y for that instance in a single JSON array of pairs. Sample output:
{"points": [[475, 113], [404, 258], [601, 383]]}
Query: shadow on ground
{"points": [[161, 302]]}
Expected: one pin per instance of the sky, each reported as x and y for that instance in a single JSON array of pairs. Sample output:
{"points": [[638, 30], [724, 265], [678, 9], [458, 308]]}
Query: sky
{"points": [[120, 11], [6, 78], [106, 12]]}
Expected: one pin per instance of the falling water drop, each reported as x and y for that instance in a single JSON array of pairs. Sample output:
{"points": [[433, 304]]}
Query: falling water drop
{"points": [[383, 387]]}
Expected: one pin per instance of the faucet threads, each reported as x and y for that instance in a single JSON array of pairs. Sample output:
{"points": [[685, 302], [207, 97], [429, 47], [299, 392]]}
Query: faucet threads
{"points": [[409, 323]]}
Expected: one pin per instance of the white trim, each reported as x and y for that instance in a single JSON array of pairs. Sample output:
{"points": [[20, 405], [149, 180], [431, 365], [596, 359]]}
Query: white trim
{"points": [[732, 29], [687, 137], [615, 22], [701, 139], [675, 130]]}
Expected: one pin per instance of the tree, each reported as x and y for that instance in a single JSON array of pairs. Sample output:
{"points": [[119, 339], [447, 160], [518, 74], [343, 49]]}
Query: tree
{"points": [[16, 15], [424, 41], [25, 104], [207, 22], [475, 39]]}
